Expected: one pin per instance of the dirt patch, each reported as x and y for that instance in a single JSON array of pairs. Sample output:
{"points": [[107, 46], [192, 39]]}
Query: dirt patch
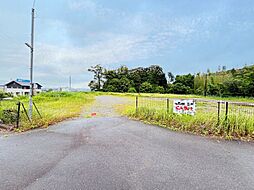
{"points": [[105, 106]]}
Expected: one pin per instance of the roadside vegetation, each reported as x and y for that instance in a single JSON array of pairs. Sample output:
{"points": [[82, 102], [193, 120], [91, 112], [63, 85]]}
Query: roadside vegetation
{"points": [[152, 109], [53, 106], [4, 95], [186, 96], [202, 123], [238, 125]]}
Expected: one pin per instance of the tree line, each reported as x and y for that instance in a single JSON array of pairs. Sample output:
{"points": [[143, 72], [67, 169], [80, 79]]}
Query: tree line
{"points": [[152, 79]]}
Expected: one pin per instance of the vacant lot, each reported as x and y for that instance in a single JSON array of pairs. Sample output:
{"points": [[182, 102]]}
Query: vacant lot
{"points": [[53, 107], [113, 152]]}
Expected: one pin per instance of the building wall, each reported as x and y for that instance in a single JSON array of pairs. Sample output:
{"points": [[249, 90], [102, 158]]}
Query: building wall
{"points": [[20, 91]]}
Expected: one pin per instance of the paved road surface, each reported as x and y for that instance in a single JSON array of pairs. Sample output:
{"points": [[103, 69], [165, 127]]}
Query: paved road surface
{"points": [[116, 153]]}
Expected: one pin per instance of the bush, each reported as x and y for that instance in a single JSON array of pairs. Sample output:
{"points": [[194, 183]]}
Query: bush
{"points": [[132, 90], [159, 89], [4, 95], [146, 87], [9, 116], [111, 88], [179, 88]]}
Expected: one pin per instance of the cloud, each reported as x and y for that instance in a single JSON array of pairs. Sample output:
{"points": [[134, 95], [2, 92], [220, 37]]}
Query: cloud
{"points": [[162, 35], [80, 5], [123, 37], [94, 7], [76, 60]]}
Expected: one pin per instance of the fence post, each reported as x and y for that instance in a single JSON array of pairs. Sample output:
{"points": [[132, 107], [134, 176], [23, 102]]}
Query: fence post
{"points": [[18, 115], [26, 113], [218, 113], [37, 110], [226, 116], [167, 105], [136, 104]]}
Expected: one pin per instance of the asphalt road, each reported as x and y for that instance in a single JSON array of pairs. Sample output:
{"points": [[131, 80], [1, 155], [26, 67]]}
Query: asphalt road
{"points": [[112, 152]]}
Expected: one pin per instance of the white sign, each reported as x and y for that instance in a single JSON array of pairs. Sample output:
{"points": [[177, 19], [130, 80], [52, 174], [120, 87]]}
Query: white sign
{"points": [[184, 107]]}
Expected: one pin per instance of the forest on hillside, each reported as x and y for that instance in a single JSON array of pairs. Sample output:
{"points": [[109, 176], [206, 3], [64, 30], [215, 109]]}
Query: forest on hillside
{"points": [[234, 82]]}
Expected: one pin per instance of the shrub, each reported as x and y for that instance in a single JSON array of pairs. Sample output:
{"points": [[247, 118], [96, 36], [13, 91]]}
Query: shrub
{"points": [[4, 95], [111, 88], [132, 90], [9, 116], [159, 89], [146, 87]]}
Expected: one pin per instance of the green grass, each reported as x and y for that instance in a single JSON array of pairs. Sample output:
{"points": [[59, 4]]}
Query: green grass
{"points": [[53, 106], [153, 110], [56, 107], [187, 96], [239, 125]]}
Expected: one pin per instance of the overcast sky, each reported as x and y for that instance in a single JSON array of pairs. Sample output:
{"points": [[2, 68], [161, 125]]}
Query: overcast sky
{"points": [[71, 35]]}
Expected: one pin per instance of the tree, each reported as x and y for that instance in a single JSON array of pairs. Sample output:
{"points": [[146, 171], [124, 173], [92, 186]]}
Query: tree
{"points": [[111, 84], [213, 89], [124, 84], [111, 88], [96, 84], [156, 76], [159, 89], [137, 76], [234, 87], [179, 88], [187, 80], [233, 71], [171, 77], [234, 82], [146, 87], [118, 78], [93, 85]]}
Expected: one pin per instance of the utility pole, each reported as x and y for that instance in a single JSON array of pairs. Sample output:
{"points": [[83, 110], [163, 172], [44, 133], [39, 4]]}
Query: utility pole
{"points": [[31, 46], [70, 83], [205, 87]]}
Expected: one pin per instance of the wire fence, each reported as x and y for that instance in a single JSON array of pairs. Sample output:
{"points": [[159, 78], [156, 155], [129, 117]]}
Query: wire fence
{"points": [[233, 116], [240, 116], [13, 114]]}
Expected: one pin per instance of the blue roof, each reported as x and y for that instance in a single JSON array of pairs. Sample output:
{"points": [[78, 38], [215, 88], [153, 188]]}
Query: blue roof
{"points": [[23, 80]]}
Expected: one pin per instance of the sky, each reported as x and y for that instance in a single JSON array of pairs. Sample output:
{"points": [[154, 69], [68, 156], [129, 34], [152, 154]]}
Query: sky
{"points": [[71, 35]]}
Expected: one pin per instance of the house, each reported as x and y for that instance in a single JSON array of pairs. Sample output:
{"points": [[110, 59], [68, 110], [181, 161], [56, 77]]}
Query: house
{"points": [[21, 87]]}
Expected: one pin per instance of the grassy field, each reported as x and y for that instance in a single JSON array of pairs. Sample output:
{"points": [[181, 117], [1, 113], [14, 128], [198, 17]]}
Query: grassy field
{"points": [[56, 107], [188, 96], [239, 123], [53, 106]]}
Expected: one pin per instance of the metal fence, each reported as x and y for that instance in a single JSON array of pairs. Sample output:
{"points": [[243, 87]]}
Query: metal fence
{"points": [[232, 115], [13, 113]]}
